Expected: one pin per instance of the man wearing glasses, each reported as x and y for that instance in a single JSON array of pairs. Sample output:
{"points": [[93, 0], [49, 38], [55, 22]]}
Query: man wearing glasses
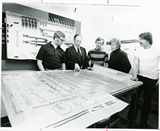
{"points": [[76, 56], [51, 56]]}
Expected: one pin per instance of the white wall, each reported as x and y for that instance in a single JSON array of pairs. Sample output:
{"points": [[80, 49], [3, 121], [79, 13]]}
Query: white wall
{"points": [[107, 22], [115, 21]]}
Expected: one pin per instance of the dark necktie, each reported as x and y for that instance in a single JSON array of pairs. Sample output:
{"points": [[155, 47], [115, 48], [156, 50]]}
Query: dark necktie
{"points": [[79, 52], [80, 56]]}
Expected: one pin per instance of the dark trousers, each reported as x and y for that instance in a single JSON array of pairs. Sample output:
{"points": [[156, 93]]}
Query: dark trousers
{"points": [[147, 89]]}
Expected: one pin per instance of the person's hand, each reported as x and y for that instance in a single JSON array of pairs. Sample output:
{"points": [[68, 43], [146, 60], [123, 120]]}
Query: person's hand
{"points": [[134, 78], [90, 68], [63, 67], [76, 68], [105, 64]]}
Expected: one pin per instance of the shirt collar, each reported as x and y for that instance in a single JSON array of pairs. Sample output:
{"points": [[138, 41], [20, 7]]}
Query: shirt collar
{"points": [[117, 50], [97, 49], [54, 45], [76, 48]]}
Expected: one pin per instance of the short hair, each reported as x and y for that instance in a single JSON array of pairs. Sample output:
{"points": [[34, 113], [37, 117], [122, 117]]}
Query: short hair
{"points": [[99, 39], [117, 41], [76, 36], [147, 36], [59, 34]]}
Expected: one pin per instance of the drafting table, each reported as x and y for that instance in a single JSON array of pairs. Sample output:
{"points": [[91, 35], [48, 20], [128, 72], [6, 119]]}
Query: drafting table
{"points": [[63, 98]]}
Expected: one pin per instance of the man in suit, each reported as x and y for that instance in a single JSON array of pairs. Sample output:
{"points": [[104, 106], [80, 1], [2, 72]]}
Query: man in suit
{"points": [[76, 56]]}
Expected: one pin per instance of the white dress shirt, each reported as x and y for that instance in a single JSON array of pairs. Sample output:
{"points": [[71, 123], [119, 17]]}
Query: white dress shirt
{"points": [[76, 48], [148, 62]]}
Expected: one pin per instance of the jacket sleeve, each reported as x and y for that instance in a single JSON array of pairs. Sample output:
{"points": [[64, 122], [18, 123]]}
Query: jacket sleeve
{"points": [[41, 53], [86, 59], [70, 59], [126, 63], [106, 58], [89, 55]]}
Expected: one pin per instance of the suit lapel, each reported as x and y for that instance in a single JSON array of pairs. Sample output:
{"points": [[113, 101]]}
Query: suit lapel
{"points": [[76, 52], [73, 48], [82, 53]]}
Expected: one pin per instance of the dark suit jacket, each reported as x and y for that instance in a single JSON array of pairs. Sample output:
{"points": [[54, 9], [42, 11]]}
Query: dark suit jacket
{"points": [[72, 57]]}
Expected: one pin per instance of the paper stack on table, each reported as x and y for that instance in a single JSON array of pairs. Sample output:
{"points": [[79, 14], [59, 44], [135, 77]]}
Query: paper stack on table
{"points": [[57, 99]]}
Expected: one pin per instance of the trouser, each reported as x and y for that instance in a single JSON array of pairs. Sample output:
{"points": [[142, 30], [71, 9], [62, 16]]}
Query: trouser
{"points": [[148, 91]]}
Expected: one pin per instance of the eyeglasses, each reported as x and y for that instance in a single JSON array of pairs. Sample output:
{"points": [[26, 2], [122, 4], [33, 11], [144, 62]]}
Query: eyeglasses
{"points": [[60, 38]]}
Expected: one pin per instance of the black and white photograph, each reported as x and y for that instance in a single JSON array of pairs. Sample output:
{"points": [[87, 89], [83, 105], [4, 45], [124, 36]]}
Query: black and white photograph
{"points": [[80, 64]]}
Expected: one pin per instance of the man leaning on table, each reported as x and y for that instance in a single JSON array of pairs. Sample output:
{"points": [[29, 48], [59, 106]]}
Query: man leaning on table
{"points": [[51, 56]]}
